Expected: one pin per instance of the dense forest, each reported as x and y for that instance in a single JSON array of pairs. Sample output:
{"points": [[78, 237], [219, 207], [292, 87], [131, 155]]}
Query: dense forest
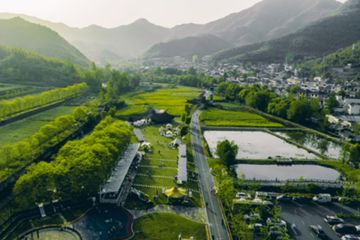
{"points": [[79, 168], [11, 107]]}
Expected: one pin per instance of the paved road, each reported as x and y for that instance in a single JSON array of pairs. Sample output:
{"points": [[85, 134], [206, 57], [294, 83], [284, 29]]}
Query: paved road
{"points": [[213, 209], [303, 215]]}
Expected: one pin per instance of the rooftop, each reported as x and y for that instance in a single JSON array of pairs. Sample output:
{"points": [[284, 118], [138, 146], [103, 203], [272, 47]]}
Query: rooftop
{"points": [[113, 184]]}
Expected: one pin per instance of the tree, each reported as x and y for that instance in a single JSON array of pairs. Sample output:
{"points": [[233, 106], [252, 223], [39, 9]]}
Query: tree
{"points": [[227, 151], [331, 103], [300, 111]]}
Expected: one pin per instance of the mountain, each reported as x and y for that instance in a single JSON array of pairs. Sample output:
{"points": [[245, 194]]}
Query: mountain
{"points": [[17, 32], [318, 39], [265, 20], [199, 45], [19, 66]]}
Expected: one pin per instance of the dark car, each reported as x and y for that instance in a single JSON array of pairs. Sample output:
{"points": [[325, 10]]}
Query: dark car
{"points": [[283, 198], [345, 229], [317, 229], [333, 220]]}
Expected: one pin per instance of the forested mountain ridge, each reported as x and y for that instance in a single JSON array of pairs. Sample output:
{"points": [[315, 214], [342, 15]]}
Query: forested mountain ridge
{"points": [[18, 33], [19, 66], [188, 47], [263, 21], [318, 39]]}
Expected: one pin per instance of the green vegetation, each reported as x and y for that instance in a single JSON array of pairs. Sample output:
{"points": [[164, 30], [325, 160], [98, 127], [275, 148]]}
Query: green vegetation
{"points": [[171, 99], [227, 152], [189, 77], [340, 58], [19, 130], [218, 117], [15, 157], [15, 106], [299, 110], [78, 169], [40, 39], [161, 226], [11, 91]]}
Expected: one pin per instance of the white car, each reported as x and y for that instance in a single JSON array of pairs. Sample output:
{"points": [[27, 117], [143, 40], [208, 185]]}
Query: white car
{"points": [[322, 198]]}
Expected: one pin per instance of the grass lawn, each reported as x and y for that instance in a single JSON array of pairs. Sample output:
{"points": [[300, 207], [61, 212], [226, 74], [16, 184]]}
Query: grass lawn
{"points": [[152, 164], [229, 118], [171, 99], [161, 226], [160, 167], [19, 130]]}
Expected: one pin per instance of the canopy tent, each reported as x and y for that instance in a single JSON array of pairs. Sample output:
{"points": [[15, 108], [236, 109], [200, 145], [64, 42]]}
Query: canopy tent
{"points": [[175, 192]]}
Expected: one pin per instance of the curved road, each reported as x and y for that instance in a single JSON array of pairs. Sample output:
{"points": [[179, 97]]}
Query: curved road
{"points": [[213, 209]]}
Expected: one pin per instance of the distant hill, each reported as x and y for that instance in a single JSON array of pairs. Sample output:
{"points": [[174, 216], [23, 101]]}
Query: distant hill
{"points": [[338, 59], [318, 39], [23, 67], [266, 20], [19, 33], [188, 47]]}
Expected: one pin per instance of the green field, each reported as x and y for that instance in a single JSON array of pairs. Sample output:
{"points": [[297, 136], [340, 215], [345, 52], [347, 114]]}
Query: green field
{"points": [[161, 151], [16, 131], [235, 118], [161, 226], [171, 99]]}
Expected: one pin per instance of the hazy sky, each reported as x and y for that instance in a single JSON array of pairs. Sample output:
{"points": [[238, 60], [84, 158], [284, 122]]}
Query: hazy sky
{"points": [[110, 13]]}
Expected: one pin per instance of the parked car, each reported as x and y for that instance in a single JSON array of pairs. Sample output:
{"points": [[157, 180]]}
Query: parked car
{"points": [[242, 195], [317, 229], [350, 237], [333, 220], [344, 229], [322, 198]]}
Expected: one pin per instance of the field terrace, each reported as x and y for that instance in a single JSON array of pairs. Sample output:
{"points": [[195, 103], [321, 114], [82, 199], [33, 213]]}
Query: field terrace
{"points": [[159, 167]]}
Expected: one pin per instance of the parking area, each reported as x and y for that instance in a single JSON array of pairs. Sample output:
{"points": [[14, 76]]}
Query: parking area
{"points": [[304, 215]]}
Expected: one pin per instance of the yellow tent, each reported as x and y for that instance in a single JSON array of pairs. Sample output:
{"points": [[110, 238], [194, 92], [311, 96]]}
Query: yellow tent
{"points": [[175, 192]]}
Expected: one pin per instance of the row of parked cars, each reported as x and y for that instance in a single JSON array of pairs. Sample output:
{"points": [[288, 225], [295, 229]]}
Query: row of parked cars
{"points": [[345, 230]]}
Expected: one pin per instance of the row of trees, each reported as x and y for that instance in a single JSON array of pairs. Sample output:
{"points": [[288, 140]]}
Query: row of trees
{"points": [[16, 156], [22, 104], [189, 77], [294, 108], [79, 168]]}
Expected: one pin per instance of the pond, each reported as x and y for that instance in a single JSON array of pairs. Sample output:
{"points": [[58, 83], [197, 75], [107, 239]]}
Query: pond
{"points": [[257, 145], [284, 173], [314, 142]]}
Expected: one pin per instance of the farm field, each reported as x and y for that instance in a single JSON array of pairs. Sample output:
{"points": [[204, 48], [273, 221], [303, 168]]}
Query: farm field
{"points": [[171, 99], [239, 118], [160, 226], [16, 131], [8, 91]]}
